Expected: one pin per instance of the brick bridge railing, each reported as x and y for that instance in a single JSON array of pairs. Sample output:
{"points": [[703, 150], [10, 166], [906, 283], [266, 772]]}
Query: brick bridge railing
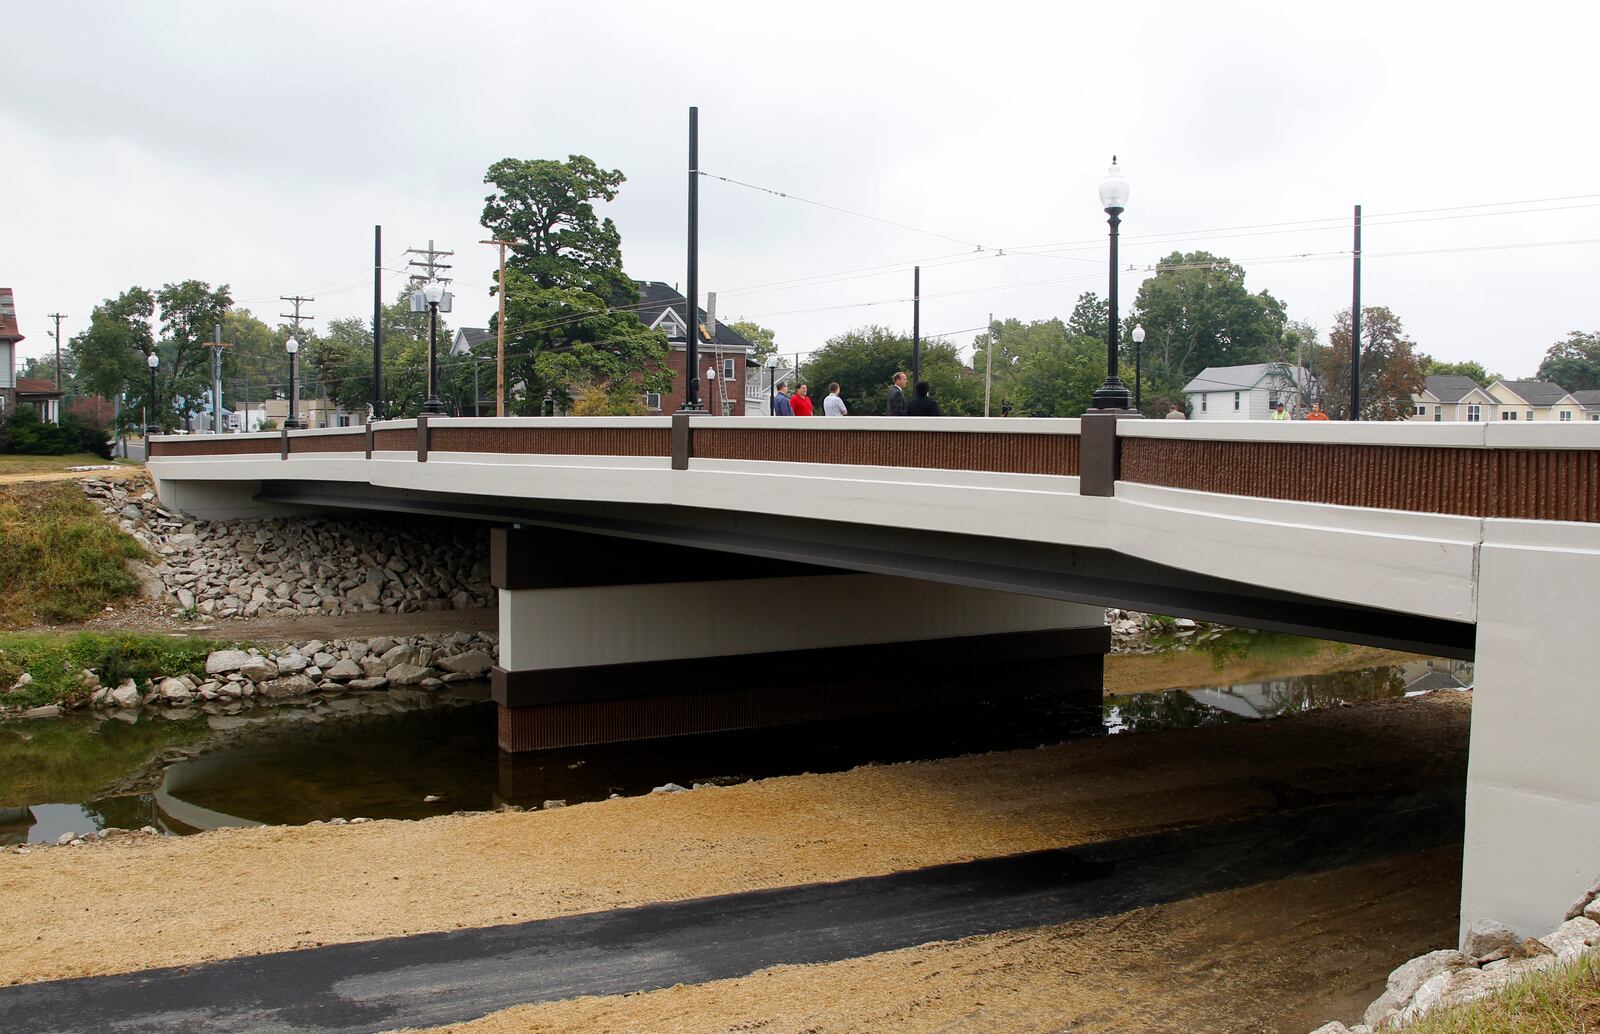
{"points": [[1541, 472]]}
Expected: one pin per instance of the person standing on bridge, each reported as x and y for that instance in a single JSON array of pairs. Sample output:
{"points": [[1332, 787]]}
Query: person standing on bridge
{"points": [[780, 400], [1174, 413], [833, 405], [1278, 412], [1316, 412], [923, 404], [897, 394], [800, 401]]}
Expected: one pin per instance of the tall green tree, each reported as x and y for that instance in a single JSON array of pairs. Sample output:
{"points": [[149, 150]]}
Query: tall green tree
{"points": [[1197, 312], [1574, 363], [110, 354], [1480, 376], [1392, 370], [1091, 317], [570, 322], [764, 338], [864, 360]]}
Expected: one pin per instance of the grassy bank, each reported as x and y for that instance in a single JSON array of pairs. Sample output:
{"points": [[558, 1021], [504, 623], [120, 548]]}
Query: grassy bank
{"points": [[1561, 1000], [16, 464], [55, 661], [61, 559]]}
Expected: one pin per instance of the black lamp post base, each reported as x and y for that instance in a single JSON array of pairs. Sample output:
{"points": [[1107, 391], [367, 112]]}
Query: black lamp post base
{"points": [[151, 429], [294, 425], [1113, 395], [433, 407]]}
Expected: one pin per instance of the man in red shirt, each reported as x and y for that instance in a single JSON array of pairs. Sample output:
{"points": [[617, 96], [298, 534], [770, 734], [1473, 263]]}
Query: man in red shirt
{"points": [[1316, 412], [801, 401]]}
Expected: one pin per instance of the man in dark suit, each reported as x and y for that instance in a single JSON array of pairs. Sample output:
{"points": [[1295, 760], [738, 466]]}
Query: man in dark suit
{"points": [[897, 395]]}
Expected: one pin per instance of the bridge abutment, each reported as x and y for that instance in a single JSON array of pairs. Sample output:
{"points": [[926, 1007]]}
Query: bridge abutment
{"points": [[1533, 779], [604, 640]]}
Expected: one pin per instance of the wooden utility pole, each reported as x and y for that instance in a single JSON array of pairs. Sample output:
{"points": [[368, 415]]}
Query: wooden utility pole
{"points": [[216, 346], [988, 366], [58, 317], [500, 329]]}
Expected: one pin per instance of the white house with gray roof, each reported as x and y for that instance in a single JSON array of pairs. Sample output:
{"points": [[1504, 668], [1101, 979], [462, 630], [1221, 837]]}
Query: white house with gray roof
{"points": [[1248, 392], [1534, 400], [1450, 397]]}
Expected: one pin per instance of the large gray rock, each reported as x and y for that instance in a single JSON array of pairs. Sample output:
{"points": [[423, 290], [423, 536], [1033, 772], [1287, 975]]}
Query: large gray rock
{"points": [[373, 683], [1486, 937], [343, 670], [381, 645], [292, 664], [289, 686], [1455, 987], [126, 695], [1584, 900], [401, 654], [1572, 938], [408, 674], [474, 663], [373, 668], [175, 690], [222, 661], [1406, 980], [258, 669], [1332, 1028]]}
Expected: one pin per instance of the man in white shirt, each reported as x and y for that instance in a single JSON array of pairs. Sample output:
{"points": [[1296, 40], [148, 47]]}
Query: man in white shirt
{"points": [[833, 405]]}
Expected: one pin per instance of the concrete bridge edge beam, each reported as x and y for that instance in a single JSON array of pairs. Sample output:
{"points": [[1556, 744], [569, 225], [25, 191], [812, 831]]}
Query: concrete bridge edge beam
{"points": [[1533, 777]]}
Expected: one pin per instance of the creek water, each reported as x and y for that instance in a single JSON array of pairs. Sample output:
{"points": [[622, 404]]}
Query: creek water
{"points": [[412, 754]]}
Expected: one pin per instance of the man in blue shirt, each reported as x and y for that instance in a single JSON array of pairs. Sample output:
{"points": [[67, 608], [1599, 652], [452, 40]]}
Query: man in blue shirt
{"points": [[780, 401]]}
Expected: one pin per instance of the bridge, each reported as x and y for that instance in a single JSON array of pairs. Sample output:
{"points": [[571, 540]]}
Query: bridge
{"points": [[646, 566]]}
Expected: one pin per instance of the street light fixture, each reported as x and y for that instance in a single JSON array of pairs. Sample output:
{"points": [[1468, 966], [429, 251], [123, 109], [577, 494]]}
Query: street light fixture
{"points": [[1113, 394], [772, 383], [293, 423], [432, 293], [1138, 366], [154, 426]]}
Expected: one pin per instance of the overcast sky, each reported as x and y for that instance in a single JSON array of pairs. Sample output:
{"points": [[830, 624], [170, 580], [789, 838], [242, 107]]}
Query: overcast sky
{"points": [[256, 144]]}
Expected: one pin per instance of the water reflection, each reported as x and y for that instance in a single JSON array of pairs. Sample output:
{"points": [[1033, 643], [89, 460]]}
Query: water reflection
{"points": [[388, 756], [1186, 709]]}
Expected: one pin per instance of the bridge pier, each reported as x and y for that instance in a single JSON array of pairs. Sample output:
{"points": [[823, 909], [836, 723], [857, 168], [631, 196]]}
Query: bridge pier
{"points": [[1533, 779], [606, 640]]}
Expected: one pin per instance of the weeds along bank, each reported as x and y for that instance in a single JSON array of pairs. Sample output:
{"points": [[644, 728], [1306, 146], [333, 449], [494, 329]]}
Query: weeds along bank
{"points": [[60, 559]]}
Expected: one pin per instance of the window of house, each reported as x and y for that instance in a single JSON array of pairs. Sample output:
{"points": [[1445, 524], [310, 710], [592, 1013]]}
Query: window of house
{"points": [[1236, 402], [1566, 414], [1438, 414], [1474, 412], [1509, 414], [1205, 403], [652, 400], [727, 369], [1594, 416], [669, 325]]}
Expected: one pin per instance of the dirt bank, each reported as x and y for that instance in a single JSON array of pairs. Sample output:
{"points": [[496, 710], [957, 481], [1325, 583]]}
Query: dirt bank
{"points": [[236, 892], [1262, 959]]}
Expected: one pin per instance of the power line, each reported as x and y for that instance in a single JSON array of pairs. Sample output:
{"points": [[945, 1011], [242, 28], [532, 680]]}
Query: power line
{"points": [[843, 211], [430, 263]]}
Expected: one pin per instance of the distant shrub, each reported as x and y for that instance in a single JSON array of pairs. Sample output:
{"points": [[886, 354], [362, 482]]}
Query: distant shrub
{"points": [[23, 433]]}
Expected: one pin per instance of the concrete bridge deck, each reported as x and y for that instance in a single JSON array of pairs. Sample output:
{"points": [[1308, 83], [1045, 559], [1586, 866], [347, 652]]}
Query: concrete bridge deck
{"points": [[1475, 540]]}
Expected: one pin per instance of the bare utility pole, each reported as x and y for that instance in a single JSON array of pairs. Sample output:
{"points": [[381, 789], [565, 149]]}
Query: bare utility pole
{"points": [[988, 366], [216, 346], [58, 317], [430, 263], [1355, 325], [500, 328], [294, 382]]}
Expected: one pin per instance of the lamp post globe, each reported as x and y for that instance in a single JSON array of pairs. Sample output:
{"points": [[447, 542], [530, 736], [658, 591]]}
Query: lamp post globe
{"points": [[1113, 394], [433, 292], [293, 422], [154, 426], [1138, 366]]}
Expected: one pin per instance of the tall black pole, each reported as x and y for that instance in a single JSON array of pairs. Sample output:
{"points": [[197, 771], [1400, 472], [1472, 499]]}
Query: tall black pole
{"points": [[293, 422], [377, 323], [691, 358], [1138, 374], [1113, 394], [433, 407], [916, 325], [1355, 326]]}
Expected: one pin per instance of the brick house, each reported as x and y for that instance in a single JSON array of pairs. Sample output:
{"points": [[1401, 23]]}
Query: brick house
{"points": [[663, 308]]}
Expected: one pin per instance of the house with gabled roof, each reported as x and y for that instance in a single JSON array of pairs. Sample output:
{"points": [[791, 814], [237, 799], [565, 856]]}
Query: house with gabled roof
{"points": [[10, 336], [1248, 392], [1588, 403], [1450, 397], [723, 351], [1529, 400]]}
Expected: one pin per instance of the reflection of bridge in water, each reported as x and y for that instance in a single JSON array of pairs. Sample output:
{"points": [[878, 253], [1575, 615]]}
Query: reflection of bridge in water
{"points": [[633, 557]]}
